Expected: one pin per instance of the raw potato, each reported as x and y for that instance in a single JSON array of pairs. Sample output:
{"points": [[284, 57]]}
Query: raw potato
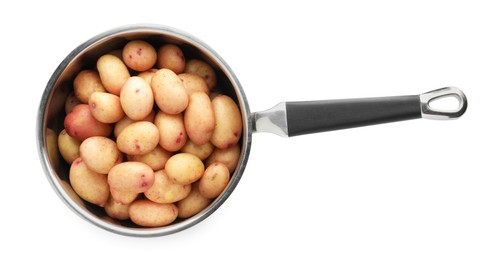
{"points": [[228, 128], [123, 197], [69, 147], [89, 185], [52, 148], [116, 210], [71, 102], [81, 124], [86, 83], [201, 151], [151, 214], [131, 177], [156, 159], [172, 133], [214, 180], [136, 98], [199, 118], [184, 168], [147, 75], [171, 57], [105, 107], [113, 73], [124, 122], [100, 154], [203, 70], [193, 83], [139, 55], [138, 138], [169, 93], [193, 203], [165, 191], [229, 157]]}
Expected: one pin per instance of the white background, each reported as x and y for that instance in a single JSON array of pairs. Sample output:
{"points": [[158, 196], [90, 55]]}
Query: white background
{"points": [[408, 190]]}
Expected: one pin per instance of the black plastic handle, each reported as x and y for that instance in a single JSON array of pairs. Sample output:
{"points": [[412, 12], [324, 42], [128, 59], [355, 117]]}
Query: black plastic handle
{"points": [[318, 116]]}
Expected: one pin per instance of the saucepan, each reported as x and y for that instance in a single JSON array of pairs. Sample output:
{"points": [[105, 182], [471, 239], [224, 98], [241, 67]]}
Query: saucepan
{"points": [[285, 119]]}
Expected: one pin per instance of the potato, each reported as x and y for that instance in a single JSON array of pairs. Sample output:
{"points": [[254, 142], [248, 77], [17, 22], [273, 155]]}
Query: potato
{"points": [[156, 159], [70, 103], [199, 118], [228, 156], [147, 75], [203, 70], [100, 154], [184, 168], [201, 151], [81, 124], [105, 107], [136, 98], [131, 177], [69, 147], [86, 83], [193, 203], [165, 191], [52, 148], [172, 133], [214, 180], [171, 57], [228, 128], [169, 93], [123, 197], [151, 214], [193, 83], [116, 210], [124, 122], [113, 73], [89, 185], [139, 55], [138, 138]]}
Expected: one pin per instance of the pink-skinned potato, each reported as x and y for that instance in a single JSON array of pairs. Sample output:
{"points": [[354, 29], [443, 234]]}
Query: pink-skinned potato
{"points": [[131, 177], [81, 124], [138, 138], [172, 133], [100, 153], [199, 118], [123, 197], [151, 214], [89, 185], [228, 126]]}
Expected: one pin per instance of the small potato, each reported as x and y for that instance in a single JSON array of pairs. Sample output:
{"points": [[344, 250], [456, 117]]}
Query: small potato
{"points": [[199, 118], [165, 191], [105, 107], [139, 55], [52, 148], [131, 177], [171, 57], [228, 156], [151, 214], [169, 93], [193, 83], [86, 83], [193, 203], [147, 75], [228, 128], [124, 122], [100, 153], [156, 159], [71, 102], [184, 168], [69, 147], [81, 124], [113, 73], [214, 180], [116, 210], [201, 151], [123, 197], [136, 98], [172, 133], [138, 138], [204, 70], [89, 185]]}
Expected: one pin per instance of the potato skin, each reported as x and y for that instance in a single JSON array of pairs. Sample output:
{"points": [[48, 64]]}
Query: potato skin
{"points": [[139, 55], [201, 151], [147, 75], [131, 177], [214, 180], [193, 83], [89, 185], [116, 210], [164, 190], [184, 168], [228, 156], [169, 94], [86, 83], [81, 124], [202, 69], [138, 138], [193, 203], [151, 214], [199, 118], [123, 197], [156, 159], [228, 128], [172, 133], [69, 147], [71, 102], [100, 153], [171, 57], [136, 98], [105, 107], [124, 122], [113, 73]]}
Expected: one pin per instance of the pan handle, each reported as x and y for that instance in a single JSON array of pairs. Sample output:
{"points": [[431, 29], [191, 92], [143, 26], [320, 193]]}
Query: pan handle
{"points": [[306, 117]]}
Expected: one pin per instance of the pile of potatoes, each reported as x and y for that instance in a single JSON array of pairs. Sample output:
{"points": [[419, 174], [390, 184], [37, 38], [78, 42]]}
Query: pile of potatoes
{"points": [[147, 135]]}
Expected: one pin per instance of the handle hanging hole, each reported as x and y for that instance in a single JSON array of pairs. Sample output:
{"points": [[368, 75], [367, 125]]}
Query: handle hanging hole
{"points": [[444, 103], [447, 103]]}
